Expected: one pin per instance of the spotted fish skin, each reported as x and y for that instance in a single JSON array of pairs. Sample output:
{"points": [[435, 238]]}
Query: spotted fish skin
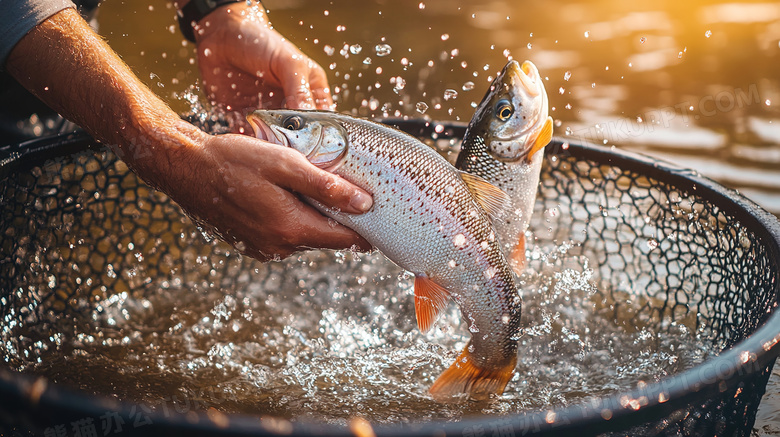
{"points": [[426, 220], [508, 151]]}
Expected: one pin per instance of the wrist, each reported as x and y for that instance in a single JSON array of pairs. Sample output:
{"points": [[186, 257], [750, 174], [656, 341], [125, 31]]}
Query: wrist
{"points": [[151, 138]]}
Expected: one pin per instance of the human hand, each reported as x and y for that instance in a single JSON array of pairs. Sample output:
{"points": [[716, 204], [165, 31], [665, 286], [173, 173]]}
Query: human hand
{"points": [[246, 64], [241, 188]]}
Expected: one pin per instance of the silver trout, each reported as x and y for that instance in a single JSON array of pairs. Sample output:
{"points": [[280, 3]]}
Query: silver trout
{"points": [[504, 145], [428, 218]]}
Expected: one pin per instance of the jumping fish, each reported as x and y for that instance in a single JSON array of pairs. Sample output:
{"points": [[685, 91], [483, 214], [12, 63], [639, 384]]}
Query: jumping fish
{"points": [[428, 218], [504, 144]]}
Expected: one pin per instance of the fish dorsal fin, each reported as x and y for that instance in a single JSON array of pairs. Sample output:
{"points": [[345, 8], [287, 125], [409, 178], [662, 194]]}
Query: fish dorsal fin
{"points": [[430, 299], [543, 139], [488, 196]]}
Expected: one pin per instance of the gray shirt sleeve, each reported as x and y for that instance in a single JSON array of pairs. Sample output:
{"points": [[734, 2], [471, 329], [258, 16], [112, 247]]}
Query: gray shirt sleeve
{"points": [[19, 17]]}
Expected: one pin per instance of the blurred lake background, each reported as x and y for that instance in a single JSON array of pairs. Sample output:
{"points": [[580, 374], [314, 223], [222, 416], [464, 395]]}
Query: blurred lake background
{"points": [[693, 82]]}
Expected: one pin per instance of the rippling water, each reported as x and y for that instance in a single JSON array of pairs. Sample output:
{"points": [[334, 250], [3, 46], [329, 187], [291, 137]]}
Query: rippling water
{"points": [[695, 82]]}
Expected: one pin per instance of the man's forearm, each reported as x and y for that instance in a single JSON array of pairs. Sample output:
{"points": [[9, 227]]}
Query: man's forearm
{"points": [[71, 69]]}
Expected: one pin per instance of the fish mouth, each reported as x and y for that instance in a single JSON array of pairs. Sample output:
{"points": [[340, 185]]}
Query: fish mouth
{"points": [[265, 132], [526, 74]]}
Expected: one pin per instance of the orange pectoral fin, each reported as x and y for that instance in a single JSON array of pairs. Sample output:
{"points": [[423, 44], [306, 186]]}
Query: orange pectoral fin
{"points": [[429, 300], [518, 258], [465, 377], [543, 139]]}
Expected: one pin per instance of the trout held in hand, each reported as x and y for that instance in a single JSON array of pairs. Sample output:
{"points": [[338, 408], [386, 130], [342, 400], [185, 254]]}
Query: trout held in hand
{"points": [[428, 218], [504, 145]]}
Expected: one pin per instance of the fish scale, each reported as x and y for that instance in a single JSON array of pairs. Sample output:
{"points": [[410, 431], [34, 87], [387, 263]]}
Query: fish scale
{"points": [[425, 219], [518, 181]]}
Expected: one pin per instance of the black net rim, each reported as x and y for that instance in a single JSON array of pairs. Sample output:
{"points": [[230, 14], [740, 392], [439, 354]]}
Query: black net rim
{"points": [[612, 413]]}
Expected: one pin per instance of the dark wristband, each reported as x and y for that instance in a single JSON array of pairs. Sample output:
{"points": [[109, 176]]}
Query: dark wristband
{"points": [[194, 11]]}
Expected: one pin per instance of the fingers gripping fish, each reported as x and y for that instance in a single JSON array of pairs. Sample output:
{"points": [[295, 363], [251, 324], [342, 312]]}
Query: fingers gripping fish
{"points": [[428, 218]]}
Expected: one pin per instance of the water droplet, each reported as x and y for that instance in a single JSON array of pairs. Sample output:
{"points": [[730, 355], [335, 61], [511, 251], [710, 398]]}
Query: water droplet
{"points": [[399, 82], [329, 50], [708, 34], [642, 40], [567, 75], [452, 264], [468, 86], [652, 243], [450, 94], [505, 318], [383, 49], [367, 61], [587, 34], [355, 49], [421, 107], [768, 102], [561, 90], [445, 37], [459, 240]]}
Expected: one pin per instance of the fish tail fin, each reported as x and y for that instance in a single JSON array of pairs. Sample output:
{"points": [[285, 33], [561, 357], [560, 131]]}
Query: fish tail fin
{"points": [[466, 377]]}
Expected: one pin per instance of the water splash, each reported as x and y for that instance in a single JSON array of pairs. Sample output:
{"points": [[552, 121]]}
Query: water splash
{"points": [[383, 49], [324, 336]]}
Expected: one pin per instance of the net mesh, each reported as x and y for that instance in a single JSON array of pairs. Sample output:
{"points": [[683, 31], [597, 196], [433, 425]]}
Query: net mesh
{"points": [[683, 258], [79, 228]]}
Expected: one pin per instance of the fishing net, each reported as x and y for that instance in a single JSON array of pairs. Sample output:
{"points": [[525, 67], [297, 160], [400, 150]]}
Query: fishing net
{"points": [[78, 227]]}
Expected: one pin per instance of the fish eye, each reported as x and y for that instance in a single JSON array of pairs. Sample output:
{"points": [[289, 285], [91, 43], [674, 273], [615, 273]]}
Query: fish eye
{"points": [[504, 110], [293, 122]]}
